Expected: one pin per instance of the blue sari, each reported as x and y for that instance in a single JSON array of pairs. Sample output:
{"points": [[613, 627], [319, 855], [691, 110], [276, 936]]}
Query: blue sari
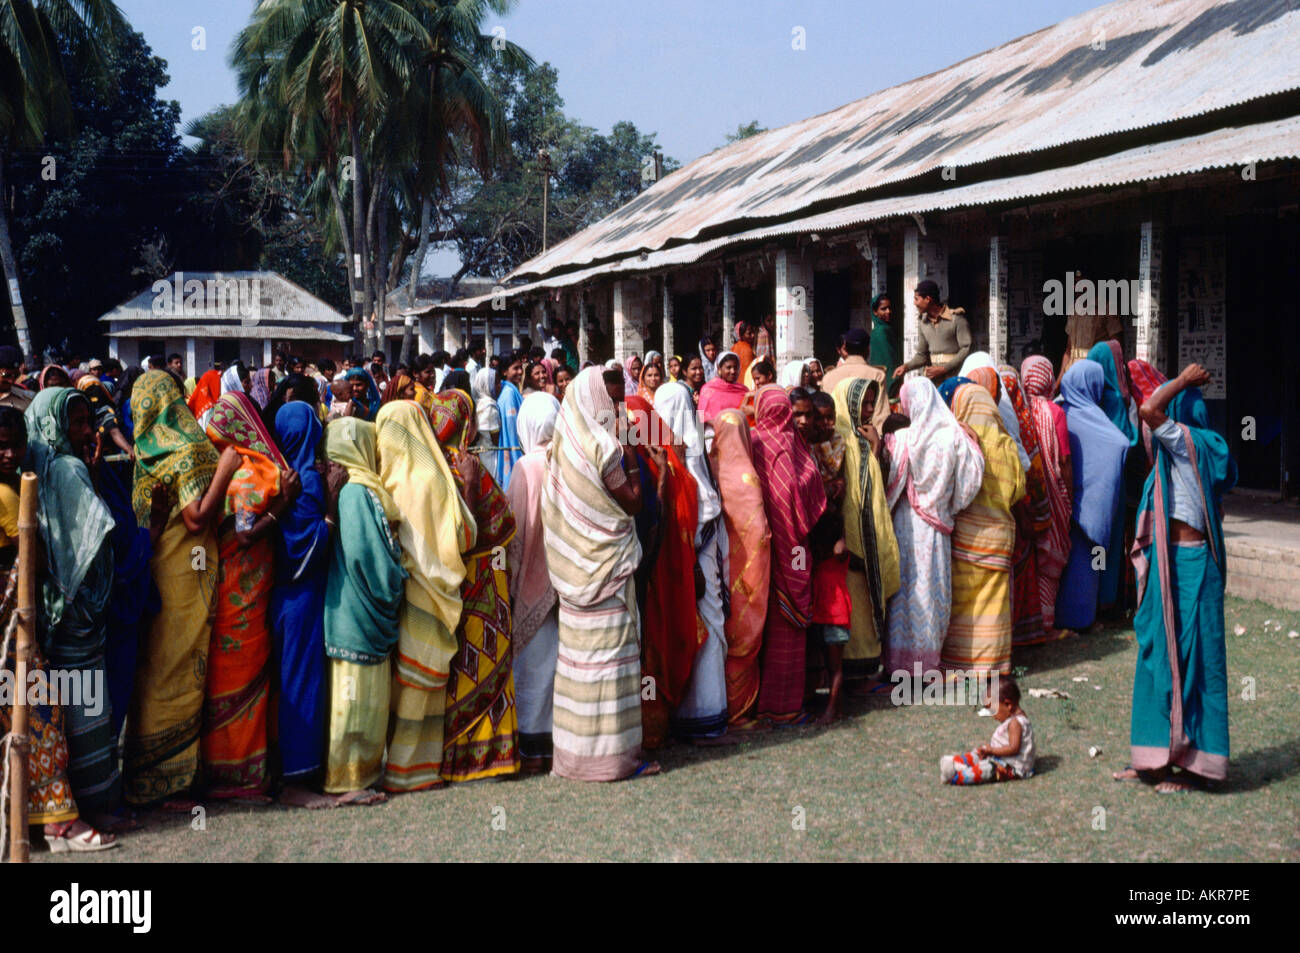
{"points": [[1180, 687], [298, 600], [508, 404], [373, 398]]}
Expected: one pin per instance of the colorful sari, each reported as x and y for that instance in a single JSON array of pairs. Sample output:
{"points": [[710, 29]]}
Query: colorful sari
{"points": [[1146, 380], [1053, 544], [794, 499], [205, 394], [935, 472], [873, 573], [533, 602], [1026, 606], [436, 528], [749, 558], [717, 395], [983, 541], [363, 601], [298, 598], [234, 739], [162, 737], [1097, 448], [592, 553], [479, 732], [1180, 687], [367, 406], [49, 792], [74, 526]]}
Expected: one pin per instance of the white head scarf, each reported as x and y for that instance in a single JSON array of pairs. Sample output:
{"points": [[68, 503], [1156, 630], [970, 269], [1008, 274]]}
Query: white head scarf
{"points": [[1005, 408], [675, 405], [710, 367], [792, 375], [536, 420], [230, 382], [486, 413]]}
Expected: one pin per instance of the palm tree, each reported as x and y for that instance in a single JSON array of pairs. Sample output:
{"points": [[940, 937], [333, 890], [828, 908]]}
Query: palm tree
{"points": [[316, 77], [34, 91]]}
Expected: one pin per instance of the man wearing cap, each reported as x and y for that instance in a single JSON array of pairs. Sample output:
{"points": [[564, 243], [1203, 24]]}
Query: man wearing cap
{"points": [[855, 344], [944, 341], [11, 365]]}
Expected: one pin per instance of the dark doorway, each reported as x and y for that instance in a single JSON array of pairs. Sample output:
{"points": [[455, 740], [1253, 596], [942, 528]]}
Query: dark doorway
{"points": [[688, 323], [831, 302]]}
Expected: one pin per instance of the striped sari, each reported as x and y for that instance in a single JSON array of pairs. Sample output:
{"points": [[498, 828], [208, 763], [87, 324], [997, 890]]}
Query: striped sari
{"points": [[480, 729], [983, 540], [749, 558], [1053, 544], [436, 529], [234, 739], [1026, 606], [591, 554], [162, 733]]}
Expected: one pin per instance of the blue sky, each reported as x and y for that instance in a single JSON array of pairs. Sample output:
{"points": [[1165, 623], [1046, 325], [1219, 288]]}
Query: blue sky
{"points": [[690, 70]]}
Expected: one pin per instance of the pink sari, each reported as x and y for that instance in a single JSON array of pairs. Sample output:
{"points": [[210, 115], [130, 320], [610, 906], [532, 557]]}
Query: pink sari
{"points": [[1053, 544]]}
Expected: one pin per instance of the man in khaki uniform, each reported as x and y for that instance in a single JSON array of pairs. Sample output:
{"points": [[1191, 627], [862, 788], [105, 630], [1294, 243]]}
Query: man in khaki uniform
{"points": [[944, 341]]}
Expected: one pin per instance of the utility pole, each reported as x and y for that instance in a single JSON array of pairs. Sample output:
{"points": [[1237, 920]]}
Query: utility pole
{"points": [[544, 157]]}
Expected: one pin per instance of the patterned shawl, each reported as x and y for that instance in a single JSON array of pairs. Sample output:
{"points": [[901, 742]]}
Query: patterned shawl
{"points": [[260, 386], [73, 520], [395, 387], [101, 402], [984, 532], [1036, 371], [1035, 475], [235, 422], [170, 449], [452, 418], [868, 530], [1146, 380], [932, 458], [793, 495], [982, 359], [591, 543]]}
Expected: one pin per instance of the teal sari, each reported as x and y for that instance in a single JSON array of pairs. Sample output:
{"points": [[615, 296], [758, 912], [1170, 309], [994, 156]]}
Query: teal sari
{"points": [[1180, 688]]}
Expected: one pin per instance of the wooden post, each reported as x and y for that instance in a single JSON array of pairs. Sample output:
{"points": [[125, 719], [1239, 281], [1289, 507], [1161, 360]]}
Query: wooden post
{"points": [[19, 847]]}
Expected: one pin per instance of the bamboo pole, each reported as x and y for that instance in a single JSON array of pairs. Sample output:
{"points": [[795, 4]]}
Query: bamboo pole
{"points": [[19, 845]]}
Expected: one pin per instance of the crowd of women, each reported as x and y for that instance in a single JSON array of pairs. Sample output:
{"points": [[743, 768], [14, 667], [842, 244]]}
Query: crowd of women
{"points": [[307, 587]]}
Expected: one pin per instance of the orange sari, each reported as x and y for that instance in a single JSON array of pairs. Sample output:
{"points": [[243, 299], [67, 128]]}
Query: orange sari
{"points": [[749, 558], [672, 631], [233, 742]]}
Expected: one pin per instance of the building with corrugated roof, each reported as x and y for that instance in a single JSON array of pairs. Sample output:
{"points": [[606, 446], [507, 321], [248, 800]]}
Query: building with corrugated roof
{"points": [[1149, 145]]}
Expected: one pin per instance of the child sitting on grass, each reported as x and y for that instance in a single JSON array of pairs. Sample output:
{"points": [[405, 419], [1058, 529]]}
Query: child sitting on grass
{"points": [[1008, 756]]}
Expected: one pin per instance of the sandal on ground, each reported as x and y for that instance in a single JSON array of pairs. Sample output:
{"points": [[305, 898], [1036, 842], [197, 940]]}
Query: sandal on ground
{"points": [[362, 798], [89, 840], [1179, 784], [1129, 773], [645, 769]]}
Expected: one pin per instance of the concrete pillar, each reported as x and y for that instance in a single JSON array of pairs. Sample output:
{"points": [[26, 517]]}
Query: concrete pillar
{"points": [[191, 359], [583, 318], [631, 316], [514, 328], [922, 258], [728, 310], [266, 353], [794, 307], [1151, 253], [999, 299], [428, 335], [452, 335], [668, 319], [879, 259]]}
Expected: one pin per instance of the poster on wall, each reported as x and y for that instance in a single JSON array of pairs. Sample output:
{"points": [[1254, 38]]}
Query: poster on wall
{"points": [[1202, 315]]}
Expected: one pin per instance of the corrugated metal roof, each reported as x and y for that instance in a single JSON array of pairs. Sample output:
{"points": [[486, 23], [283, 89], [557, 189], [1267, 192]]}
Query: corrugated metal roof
{"points": [[279, 299], [1229, 148], [257, 332], [1121, 67]]}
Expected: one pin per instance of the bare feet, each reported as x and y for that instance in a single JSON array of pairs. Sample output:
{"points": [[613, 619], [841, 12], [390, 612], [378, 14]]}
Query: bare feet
{"points": [[645, 769], [362, 798], [178, 805], [828, 717], [301, 797], [1178, 784]]}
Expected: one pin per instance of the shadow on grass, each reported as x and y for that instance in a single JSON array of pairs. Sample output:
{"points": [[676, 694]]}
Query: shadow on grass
{"points": [[1063, 653], [1262, 767]]}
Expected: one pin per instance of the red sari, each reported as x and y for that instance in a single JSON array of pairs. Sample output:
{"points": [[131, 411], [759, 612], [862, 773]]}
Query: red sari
{"points": [[671, 631], [794, 499]]}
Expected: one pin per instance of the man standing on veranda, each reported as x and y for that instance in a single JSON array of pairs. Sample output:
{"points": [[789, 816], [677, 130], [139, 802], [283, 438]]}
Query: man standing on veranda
{"points": [[944, 341]]}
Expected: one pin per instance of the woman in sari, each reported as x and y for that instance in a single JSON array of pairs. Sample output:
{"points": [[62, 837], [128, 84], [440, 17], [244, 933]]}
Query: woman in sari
{"points": [[365, 395], [401, 387], [794, 499], [708, 352], [749, 562], [1052, 433], [1118, 405], [1033, 519], [725, 390], [436, 528], [873, 572], [1097, 451], [509, 401], [298, 603], [206, 391], [487, 416], [260, 387], [1145, 381], [480, 725], [74, 526], [935, 471], [795, 374], [533, 601], [234, 738], [1180, 688], [234, 379], [107, 422], [177, 472], [983, 540], [652, 378], [589, 502], [701, 716], [363, 599]]}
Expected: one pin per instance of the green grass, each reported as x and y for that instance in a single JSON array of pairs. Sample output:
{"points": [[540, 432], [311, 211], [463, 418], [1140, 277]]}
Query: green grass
{"points": [[869, 788]]}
